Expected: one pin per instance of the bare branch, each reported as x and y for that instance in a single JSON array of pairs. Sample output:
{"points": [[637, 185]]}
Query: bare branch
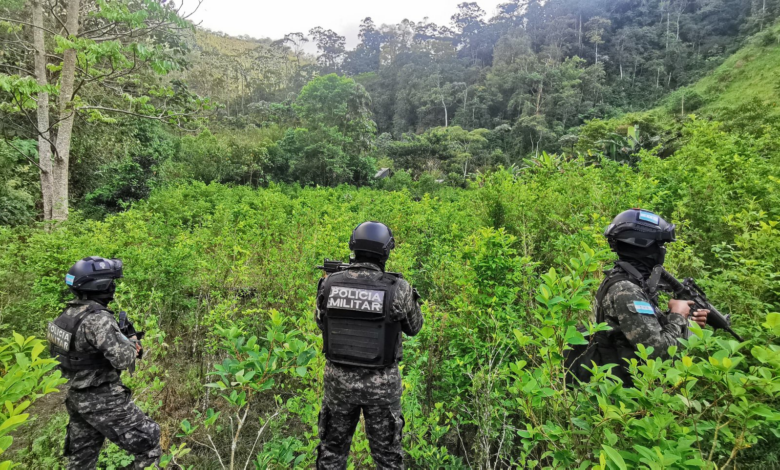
{"points": [[11, 20], [17, 68], [54, 14], [160, 117], [7, 141], [41, 133]]}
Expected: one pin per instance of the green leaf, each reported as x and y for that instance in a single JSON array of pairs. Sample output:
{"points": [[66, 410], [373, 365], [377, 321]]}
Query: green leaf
{"points": [[614, 456], [301, 371], [12, 422], [5, 443], [19, 339], [574, 337]]}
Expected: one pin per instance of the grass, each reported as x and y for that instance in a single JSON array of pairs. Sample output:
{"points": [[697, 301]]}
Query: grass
{"points": [[752, 73]]}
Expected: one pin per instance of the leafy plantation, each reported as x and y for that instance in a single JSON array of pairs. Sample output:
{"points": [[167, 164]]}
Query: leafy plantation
{"points": [[506, 267], [222, 170]]}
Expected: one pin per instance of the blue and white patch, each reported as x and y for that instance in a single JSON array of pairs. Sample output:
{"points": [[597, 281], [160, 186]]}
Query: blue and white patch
{"points": [[644, 308], [69, 278], [649, 217]]}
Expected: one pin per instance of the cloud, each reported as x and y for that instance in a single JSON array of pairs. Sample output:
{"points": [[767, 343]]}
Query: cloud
{"points": [[275, 19]]}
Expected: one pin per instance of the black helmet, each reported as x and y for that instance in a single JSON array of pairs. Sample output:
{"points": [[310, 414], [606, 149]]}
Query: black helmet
{"points": [[94, 277], [639, 228], [372, 237]]}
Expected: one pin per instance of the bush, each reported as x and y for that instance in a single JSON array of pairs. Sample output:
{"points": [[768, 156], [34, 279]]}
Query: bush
{"points": [[506, 267]]}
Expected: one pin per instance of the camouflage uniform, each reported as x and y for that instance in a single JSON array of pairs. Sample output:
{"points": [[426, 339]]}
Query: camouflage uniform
{"points": [[626, 311], [377, 392], [98, 403]]}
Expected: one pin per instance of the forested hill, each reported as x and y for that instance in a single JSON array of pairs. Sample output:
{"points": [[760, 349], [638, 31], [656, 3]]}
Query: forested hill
{"points": [[441, 102]]}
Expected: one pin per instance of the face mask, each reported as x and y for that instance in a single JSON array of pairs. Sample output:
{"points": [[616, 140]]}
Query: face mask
{"points": [[649, 257]]}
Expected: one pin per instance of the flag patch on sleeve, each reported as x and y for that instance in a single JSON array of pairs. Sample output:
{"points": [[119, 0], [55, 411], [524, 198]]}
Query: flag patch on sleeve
{"points": [[644, 308]]}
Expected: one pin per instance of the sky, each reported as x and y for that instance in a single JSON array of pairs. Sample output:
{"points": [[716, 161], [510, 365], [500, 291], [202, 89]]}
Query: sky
{"points": [[275, 18]]}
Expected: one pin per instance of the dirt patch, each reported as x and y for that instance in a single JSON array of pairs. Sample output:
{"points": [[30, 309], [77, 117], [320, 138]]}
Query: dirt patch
{"points": [[41, 413]]}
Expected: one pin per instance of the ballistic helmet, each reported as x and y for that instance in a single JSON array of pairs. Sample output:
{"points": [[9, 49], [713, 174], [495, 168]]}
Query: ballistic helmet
{"points": [[94, 277], [640, 235], [640, 228], [372, 237]]}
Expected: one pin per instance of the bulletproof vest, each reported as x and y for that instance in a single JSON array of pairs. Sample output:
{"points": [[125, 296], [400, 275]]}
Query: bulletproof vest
{"points": [[359, 330], [607, 347], [61, 334]]}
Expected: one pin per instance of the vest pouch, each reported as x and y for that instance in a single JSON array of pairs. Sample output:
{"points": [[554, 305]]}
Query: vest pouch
{"points": [[355, 340], [602, 351], [358, 330]]}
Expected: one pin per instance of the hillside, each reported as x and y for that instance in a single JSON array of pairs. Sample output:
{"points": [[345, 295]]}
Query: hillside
{"points": [[750, 76], [753, 73]]}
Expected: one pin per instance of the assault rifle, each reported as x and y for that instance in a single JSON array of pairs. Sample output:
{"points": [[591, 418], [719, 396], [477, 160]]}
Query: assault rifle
{"points": [[128, 329], [331, 266], [689, 290]]}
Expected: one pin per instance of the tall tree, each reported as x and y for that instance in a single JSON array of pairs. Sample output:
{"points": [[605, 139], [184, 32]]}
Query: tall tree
{"points": [[330, 46], [84, 53]]}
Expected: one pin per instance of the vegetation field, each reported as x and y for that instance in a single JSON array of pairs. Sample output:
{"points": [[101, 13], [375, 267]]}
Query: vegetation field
{"points": [[507, 267], [223, 170]]}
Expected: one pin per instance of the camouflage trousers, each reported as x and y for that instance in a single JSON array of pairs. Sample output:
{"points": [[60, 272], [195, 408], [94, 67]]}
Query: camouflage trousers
{"points": [[337, 423], [108, 412]]}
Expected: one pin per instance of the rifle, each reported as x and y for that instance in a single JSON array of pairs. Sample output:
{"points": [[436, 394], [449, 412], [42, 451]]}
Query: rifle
{"points": [[331, 266], [689, 290], [128, 329]]}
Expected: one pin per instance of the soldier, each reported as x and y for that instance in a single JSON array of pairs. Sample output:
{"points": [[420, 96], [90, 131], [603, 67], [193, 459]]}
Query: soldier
{"points": [[623, 302], [362, 311], [628, 305], [92, 351]]}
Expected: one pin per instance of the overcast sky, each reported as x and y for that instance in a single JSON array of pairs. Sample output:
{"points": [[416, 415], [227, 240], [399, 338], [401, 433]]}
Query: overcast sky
{"points": [[275, 18]]}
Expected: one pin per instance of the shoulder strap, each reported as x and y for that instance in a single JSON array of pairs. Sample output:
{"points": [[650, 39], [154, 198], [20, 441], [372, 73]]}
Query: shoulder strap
{"points": [[638, 279], [619, 274], [82, 316]]}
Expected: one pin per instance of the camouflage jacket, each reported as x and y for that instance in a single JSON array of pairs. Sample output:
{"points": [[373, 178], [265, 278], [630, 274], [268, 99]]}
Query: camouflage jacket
{"points": [[360, 385], [99, 332], [637, 319]]}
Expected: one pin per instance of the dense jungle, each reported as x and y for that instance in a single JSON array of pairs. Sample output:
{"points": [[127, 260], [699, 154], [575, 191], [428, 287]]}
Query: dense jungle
{"points": [[498, 147]]}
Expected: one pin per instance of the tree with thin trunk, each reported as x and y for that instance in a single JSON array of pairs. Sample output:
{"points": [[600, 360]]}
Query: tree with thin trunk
{"points": [[595, 29], [89, 58]]}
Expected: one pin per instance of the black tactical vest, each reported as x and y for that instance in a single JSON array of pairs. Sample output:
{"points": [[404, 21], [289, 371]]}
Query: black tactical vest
{"points": [[607, 347], [356, 314], [61, 334]]}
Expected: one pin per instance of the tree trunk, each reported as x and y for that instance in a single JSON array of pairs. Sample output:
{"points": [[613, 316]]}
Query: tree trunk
{"points": [[763, 15], [667, 30], [67, 116], [44, 136], [446, 118], [539, 98], [678, 25]]}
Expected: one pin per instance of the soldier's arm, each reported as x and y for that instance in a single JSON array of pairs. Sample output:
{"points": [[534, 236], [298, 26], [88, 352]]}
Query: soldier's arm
{"points": [[407, 308], [319, 304], [637, 318], [102, 332]]}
